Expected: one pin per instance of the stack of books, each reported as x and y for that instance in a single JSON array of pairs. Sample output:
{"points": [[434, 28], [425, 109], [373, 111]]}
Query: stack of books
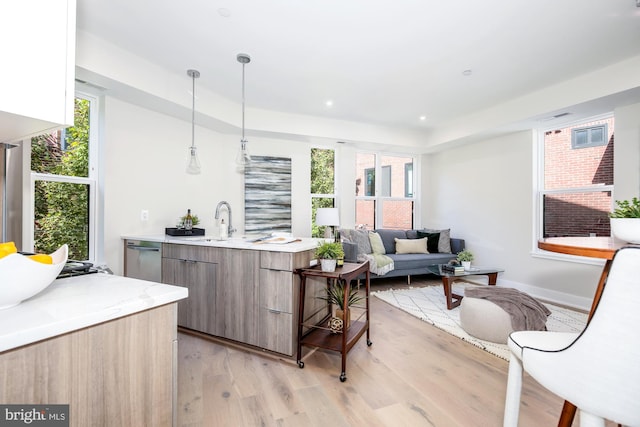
{"points": [[452, 269]]}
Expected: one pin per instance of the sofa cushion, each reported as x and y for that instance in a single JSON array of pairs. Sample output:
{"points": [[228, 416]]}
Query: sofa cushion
{"points": [[377, 247], [411, 246], [444, 244], [409, 261], [359, 237], [388, 237], [433, 239]]}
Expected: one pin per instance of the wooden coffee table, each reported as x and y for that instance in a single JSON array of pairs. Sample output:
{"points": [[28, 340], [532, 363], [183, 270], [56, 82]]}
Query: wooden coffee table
{"points": [[453, 300]]}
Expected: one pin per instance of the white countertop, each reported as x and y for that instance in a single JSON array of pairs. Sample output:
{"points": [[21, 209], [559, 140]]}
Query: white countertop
{"points": [[78, 302], [300, 245]]}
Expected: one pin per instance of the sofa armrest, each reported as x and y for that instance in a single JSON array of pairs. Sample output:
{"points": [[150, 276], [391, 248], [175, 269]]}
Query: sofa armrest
{"points": [[350, 251], [457, 245]]}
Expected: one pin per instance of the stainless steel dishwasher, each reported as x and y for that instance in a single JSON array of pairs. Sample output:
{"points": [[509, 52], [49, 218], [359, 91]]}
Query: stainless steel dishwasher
{"points": [[143, 260]]}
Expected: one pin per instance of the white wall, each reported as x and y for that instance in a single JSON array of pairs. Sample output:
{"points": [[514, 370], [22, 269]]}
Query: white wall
{"points": [[484, 192], [146, 154], [627, 152]]}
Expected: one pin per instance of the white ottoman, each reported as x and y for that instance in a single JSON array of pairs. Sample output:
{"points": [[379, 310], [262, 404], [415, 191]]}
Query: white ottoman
{"points": [[485, 320]]}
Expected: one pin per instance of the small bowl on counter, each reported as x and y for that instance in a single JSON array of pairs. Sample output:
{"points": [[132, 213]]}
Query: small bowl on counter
{"points": [[22, 277]]}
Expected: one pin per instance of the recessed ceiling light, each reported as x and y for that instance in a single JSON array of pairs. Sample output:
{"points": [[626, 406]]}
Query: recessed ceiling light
{"points": [[329, 103], [224, 12], [423, 118], [467, 73]]}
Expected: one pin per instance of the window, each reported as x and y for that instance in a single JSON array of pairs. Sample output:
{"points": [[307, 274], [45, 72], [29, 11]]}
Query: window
{"points": [[576, 184], [384, 191], [322, 185], [589, 136], [64, 186]]}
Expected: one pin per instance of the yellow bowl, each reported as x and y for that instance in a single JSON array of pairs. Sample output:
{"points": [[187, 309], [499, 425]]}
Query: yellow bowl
{"points": [[21, 277]]}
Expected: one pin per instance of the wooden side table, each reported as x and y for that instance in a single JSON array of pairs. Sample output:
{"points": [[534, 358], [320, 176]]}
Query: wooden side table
{"points": [[594, 247], [319, 334]]}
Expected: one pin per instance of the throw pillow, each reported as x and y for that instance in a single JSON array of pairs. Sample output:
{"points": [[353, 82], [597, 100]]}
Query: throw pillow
{"points": [[377, 247], [359, 237], [444, 244], [433, 239], [411, 246]]}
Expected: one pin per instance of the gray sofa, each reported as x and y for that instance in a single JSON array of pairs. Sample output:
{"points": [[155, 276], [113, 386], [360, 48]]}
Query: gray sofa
{"points": [[408, 264]]}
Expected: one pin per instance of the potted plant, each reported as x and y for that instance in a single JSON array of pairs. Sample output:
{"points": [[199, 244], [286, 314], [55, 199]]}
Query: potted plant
{"points": [[465, 257], [625, 220], [335, 295], [328, 253]]}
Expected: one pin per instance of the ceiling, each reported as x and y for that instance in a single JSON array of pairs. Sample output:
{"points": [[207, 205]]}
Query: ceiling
{"points": [[379, 62]]}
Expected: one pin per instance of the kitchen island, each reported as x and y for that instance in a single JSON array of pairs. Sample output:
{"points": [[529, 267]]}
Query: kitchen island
{"points": [[106, 345], [239, 289]]}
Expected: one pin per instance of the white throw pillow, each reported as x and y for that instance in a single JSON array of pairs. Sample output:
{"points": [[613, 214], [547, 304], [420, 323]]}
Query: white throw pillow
{"points": [[411, 246]]}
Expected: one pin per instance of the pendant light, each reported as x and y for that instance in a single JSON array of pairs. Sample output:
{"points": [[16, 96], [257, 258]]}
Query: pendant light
{"points": [[243, 158], [193, 167]]}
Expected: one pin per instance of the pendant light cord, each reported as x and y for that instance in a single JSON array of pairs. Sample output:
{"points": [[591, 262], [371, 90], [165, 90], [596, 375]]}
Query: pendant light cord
{"points": [[243, 140], [193, 110]]}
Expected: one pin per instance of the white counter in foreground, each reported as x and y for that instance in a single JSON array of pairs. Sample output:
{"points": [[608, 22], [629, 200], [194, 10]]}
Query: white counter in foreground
{"points": [[300, 245], [79, 302]]}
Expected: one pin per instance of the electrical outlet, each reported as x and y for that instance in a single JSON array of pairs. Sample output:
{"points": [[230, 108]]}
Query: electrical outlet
{"points": [[144, 215]]}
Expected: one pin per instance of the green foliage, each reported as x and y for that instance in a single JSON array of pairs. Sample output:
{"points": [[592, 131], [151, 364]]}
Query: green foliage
{"points": [[61, 209], [626, 209], [322, 171], [335, 294], [465, 255], [329, 250], [322, 183]]}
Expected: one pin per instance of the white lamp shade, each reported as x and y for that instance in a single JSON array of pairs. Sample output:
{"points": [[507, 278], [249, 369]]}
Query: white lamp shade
{"points": [[327, 216]]}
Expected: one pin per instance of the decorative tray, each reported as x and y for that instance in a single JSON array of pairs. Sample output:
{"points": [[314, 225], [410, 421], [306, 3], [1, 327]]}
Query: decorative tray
{"points": [[184, 232]]}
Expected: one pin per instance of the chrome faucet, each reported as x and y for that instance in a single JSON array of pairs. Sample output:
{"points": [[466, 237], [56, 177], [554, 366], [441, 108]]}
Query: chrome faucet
{"points": [[225, 203]]}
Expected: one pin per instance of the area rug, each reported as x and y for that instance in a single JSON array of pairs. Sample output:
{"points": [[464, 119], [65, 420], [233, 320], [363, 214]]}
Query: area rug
{"points": [[428, 304]]}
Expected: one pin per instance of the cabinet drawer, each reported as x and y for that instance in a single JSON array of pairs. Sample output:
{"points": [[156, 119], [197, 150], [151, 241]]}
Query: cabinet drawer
{"points": [[191, 252], [276, 290], [285, 261], [276, 331], [276, 260]]}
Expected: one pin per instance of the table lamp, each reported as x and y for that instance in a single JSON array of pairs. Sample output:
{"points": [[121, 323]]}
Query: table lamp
{"points": [[329, 218]]}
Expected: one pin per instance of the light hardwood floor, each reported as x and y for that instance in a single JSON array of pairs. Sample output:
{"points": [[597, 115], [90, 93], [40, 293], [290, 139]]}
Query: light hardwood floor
{"points": [[413, 375]]}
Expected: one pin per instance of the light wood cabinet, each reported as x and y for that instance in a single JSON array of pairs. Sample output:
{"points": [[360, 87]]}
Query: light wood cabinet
{"points": [[248, 296], [237, 296], [121, 372], [279, 291], [37, 82], [198, 270]]}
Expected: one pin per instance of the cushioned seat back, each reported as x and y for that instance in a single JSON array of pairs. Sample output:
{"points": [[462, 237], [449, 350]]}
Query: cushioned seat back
{"points": [[388, 237], [600, 371]]}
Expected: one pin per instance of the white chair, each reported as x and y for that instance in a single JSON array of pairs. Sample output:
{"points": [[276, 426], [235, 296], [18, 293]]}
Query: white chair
{"points": [[598, 370]]}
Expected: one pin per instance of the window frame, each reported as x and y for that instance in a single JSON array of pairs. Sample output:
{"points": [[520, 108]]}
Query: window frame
{"points": [[589, 130], [92, 181], [333, 195], [539, 190], [377, 199]]}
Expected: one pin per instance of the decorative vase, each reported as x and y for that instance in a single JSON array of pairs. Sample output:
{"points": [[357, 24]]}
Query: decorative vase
{"points": [[346, 317], [466, 264], [626, 229], [328, 265]]}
